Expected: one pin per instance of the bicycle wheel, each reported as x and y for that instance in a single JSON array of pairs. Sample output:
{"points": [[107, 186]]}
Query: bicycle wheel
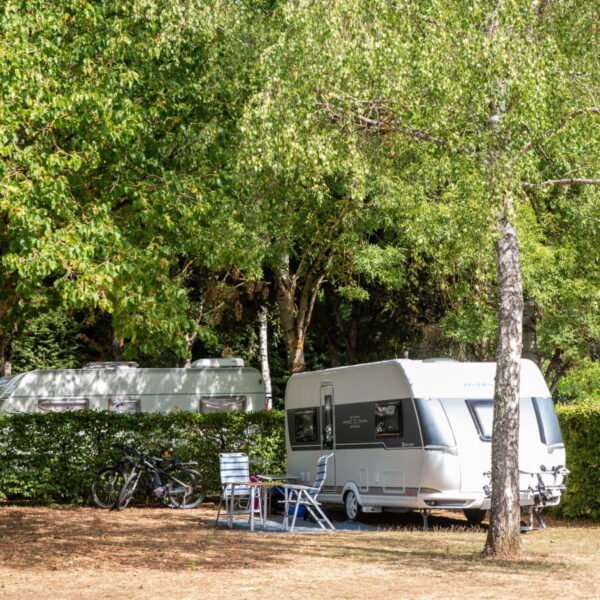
{"points": [[127, 491], [185, 489], [106, 486]]}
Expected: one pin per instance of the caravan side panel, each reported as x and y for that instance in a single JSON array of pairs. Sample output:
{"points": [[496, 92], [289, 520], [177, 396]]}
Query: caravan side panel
{"points": [[133, 390]]}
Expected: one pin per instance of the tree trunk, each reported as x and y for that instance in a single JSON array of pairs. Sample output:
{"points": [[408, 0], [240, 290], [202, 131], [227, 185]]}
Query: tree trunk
{"points": [[5, 357], [118, 344], [504, 537], [9, 319], [530, 349], [296, 316], [192, 338], [352, 341], [293, 334], [263, 319], [556, 368]]}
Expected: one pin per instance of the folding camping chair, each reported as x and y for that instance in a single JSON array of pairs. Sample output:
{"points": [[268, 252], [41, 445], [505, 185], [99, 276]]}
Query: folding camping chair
{"points": [[306, 496], [238, 497]]}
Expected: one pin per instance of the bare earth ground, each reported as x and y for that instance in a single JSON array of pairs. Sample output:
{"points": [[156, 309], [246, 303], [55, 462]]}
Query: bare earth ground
{"points": [[159, 553]]}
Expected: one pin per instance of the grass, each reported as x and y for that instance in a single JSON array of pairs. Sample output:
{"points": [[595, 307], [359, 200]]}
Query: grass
{"points": [[153, 553]]}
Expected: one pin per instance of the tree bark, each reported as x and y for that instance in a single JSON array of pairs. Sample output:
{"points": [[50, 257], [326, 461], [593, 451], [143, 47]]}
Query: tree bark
{"points": [[296, 316], [530, 349], [556, 368], [5, 357], [118, 343], [263, 320], [341, 331], [504, 537]]}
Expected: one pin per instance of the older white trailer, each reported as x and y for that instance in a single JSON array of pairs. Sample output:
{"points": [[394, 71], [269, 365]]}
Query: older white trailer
{"points": [[412, 434], [209, 385]]}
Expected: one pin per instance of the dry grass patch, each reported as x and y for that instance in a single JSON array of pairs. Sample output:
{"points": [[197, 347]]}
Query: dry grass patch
{"points": [[150, 553]]}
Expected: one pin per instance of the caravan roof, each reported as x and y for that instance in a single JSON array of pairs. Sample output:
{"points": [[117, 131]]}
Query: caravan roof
{"points": [[445, 378]]}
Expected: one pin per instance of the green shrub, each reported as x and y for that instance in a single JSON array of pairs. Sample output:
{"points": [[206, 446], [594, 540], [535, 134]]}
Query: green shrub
{"points": [[580, 426], [581, 384], [54, 457]]}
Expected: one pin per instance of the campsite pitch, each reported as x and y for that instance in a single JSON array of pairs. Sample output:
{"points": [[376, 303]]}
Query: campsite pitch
{"points": [[156, 553]]}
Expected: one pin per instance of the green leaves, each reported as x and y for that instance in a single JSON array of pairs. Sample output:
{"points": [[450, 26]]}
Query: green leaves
{"points": [[112, 126], [580, 426], [145, 143], [54, 457]]}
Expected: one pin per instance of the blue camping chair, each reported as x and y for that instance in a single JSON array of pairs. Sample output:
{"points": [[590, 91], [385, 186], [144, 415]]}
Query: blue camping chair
{"points": [[304, 496]]}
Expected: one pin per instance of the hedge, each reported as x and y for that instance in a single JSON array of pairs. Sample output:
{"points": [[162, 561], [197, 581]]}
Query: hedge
{"points": [[580, 424], [53, 457]]}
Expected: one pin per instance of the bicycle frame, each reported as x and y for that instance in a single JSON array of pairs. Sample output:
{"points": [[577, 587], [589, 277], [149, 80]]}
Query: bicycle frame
{"points": [[147, 465]]}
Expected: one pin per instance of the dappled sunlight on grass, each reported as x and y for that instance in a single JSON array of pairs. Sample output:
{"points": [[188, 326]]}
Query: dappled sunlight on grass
{"points": [[160, 545]]}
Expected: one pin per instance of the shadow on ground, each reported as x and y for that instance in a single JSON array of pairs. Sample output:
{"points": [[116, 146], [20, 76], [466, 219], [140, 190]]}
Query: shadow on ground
{"points": [[171, 540]]}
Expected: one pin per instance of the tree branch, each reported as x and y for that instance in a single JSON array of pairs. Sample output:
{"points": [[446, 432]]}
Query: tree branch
{"points": [[552, 132], [570, 181], [378, 123]]}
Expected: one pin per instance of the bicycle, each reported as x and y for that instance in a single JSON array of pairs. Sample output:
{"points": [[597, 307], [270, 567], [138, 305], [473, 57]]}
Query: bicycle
{"points": [[109, 481], [175, 484]]}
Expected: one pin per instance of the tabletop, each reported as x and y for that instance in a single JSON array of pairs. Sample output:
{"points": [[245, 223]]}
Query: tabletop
{"points": [[278, 477]]}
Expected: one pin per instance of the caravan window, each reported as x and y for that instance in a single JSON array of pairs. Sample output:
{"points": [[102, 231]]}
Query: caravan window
{"points": [[547, 421], [305, 425], [482, 412], [434, 423], [124, 405], [60, 405], [215, 404], [388, 418]]}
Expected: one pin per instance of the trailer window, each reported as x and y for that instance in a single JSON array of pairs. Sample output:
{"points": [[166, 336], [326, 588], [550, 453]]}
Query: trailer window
{"points": [[61, 405], [482, 412], [124, 405], [547, 421], [215, 404], [434, 423], [388, 418], [305, 425]]}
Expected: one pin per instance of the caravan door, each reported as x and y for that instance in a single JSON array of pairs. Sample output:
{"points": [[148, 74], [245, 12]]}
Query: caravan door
{"points": [[328, 434]]}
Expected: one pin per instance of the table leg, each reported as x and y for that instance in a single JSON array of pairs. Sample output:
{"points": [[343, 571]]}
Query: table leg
{"points": [[229, 507], [252, 492], [286, 502]]}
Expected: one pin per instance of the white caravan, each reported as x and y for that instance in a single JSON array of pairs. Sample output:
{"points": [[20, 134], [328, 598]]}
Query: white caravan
{"points": [[209, 385], [416, 435]]}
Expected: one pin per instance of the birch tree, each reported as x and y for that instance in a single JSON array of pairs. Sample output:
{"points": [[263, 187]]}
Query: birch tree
{"points": [[483, 97]]}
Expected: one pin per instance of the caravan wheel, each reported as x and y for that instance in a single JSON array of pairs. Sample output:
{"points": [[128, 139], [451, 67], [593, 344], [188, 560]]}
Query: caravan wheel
{"points": [[351, 506], [474, 516]]}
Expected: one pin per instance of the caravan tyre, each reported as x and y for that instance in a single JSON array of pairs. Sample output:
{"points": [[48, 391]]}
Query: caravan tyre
{"points": [[351, 506], [474, 516]]}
